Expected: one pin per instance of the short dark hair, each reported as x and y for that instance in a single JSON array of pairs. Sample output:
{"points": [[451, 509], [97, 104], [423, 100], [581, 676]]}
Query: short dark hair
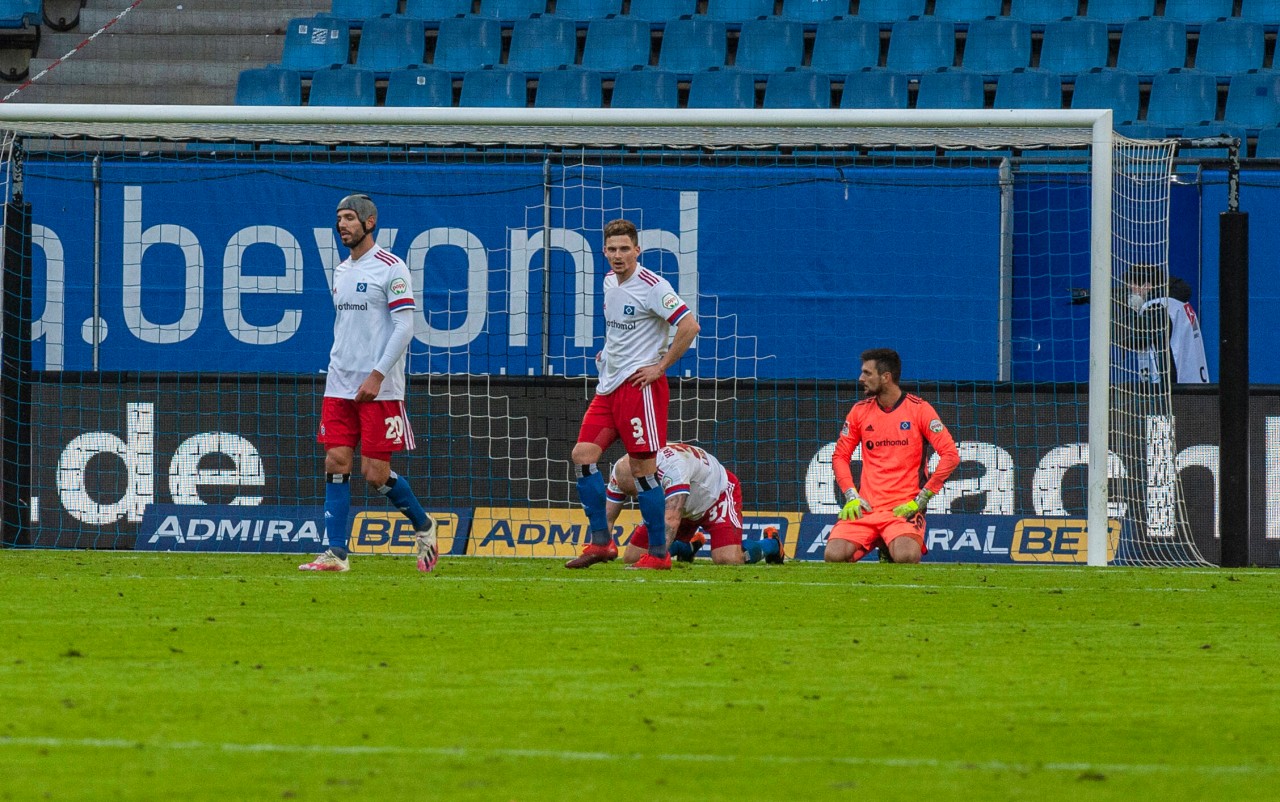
{"points": [[622, 228], [887, 361], [1140, 274]]}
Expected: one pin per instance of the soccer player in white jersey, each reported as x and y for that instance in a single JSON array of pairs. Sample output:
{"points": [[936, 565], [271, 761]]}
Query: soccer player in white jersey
{"points": [[364, 388], [1167, 329], [701, 494], [630, 404]]}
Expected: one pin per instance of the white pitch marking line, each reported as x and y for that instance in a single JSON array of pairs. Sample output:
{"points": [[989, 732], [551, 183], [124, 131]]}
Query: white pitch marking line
{"points": [[568, 755]]}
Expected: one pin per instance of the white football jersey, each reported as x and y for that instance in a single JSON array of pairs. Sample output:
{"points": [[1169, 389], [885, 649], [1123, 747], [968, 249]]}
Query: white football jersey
{"points": [[366, 292], [687, 470], [1185, 344], [638, 316]]}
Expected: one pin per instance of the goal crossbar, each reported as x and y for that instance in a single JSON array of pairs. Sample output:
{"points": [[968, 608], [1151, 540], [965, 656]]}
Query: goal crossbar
{"points": [[570, 127]]}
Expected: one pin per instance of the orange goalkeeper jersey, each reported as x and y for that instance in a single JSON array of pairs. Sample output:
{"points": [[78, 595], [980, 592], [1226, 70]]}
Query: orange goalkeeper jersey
{"points": [[893, 463]]}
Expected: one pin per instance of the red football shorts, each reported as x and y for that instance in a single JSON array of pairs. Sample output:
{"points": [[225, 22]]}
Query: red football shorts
{"points": [[880, 527], [722, 523], [636, 416], [380, 427]]}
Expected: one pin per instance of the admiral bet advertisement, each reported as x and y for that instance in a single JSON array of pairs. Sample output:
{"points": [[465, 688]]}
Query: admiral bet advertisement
{"points": [[231, 463]]}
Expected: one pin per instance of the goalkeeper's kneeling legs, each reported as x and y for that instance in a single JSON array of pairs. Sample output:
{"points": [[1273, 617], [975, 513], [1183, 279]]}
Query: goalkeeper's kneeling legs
{"points": [[843, 551], [851, 540], [905, 538], [905, 549]]}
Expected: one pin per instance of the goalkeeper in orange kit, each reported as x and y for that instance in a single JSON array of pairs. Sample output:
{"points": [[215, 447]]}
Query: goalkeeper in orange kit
{"points": [[892, 426]]}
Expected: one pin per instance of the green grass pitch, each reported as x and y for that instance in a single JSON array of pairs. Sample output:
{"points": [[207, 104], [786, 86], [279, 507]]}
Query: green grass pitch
{"points": [[130, 676]]}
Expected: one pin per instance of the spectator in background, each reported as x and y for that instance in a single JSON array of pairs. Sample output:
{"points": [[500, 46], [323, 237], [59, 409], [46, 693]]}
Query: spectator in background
{"points": [[1166, 331]]}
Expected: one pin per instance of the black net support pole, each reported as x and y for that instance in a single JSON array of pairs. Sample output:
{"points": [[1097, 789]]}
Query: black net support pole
{"points": [[1233, 384], [15, 360]]}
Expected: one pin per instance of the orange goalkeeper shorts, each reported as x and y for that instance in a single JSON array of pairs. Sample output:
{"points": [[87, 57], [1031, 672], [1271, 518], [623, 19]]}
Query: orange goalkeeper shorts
{"points": [[880, 527]]}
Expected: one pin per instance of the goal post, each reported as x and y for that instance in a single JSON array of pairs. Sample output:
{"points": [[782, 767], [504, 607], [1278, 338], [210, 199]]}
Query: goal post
{"points": [[750, 390]]}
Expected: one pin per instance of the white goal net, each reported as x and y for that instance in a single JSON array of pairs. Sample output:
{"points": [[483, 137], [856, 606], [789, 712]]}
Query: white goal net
{"points": [[176, 319]]}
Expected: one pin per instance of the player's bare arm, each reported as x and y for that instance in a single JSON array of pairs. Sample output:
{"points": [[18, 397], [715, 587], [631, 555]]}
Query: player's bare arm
{"points": [[686, 330], [675, 505]]}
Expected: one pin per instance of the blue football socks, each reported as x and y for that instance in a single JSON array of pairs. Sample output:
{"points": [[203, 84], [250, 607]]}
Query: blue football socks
{"points": [[653, 509], [757, 550], [682, 550], [399, 493], [591, 492], [337, 510]]}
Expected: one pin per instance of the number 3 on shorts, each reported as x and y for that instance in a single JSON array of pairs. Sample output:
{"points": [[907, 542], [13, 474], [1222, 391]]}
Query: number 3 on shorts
{"points": [[637, 431], [395, 428]]}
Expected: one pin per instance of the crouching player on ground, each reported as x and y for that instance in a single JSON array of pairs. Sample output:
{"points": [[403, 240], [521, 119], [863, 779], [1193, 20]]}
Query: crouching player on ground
{"points": [[701, 496], [892, 426]]}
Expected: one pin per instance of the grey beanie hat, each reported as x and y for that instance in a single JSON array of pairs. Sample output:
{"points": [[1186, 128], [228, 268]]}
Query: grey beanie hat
{"points": [[361, 205]]}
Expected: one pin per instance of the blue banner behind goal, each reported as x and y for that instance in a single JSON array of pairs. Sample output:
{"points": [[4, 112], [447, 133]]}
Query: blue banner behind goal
{"points": [[222, 268]]}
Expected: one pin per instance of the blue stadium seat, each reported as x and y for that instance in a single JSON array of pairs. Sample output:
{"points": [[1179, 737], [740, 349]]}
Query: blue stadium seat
{"points": [[269, 86], [738, 10], [663, 10], [571, 88], [770, 45], [814, 10], [966, 10], [1102, 88], [542, 43], [498, 88], [389, 43], [994, 46], [343, 86], [512, 9], [722, 89], [1039, 12], [419, 86], [21, 14], [359, 10], [1119, 11], [921, 45], [1148, 46], [692, 45], [1182, 97], [467, 43], [1029, 89], [1268, 144], [587, 9], [645, 89], [1253, 99], [315, 43], [1215, 129], [874, 89], [950, 89], [616, 44], [798, 89], [436, 9], [1197, 12], [1072, 46], [845, 45], [890, 10], [1230, 46], [1265, 11]]}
